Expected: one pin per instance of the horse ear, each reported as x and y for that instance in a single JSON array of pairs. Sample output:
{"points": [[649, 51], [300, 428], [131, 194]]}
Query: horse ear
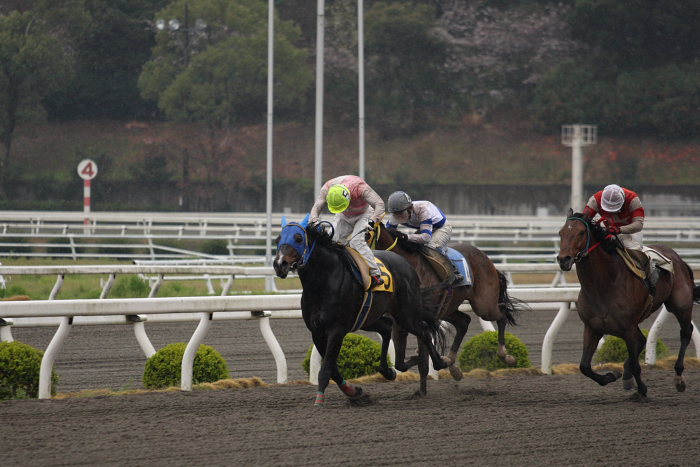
{"points": [[284, 221], [570, 213], [304, 223]]}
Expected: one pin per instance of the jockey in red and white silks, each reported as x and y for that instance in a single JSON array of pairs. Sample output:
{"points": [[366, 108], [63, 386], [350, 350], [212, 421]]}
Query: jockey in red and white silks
{"points": [[622, 209]]}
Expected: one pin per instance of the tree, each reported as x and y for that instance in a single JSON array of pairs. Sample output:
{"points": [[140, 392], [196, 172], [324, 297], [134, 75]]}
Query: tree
{"points": [[32, 65], [404, 67], [217, 76]]}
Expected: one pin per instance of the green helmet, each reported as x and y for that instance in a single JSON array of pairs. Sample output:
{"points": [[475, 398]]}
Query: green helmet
{"points": [[338, 198]]}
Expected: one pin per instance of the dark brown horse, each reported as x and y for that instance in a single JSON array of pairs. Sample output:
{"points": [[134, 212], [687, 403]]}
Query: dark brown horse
{"points": [[488, 296], [614, 301]]}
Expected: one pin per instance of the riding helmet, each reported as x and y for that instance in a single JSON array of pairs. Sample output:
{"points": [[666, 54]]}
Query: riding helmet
{"points": [[338, 198], [399, 201]]}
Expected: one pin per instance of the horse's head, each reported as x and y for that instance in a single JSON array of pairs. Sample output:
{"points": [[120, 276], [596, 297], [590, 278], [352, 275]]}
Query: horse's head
{"points": [[575, 237], [292, 247]]}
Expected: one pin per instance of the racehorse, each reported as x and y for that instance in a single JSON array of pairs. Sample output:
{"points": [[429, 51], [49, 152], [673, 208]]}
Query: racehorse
{"points": [[488, 295], [333, 301], [614, 301]]}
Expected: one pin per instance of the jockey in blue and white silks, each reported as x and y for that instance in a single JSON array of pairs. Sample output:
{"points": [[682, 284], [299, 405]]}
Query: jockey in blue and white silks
{"points": [[432, 227]]}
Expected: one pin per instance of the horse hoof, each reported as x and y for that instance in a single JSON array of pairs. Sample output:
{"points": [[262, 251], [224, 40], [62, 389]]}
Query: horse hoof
{"points": [[360, 399], [637, 397], [629, 384], [417, 395], [680, 383], [389, 374], [510, 360], [456, 372], [613, 376]]}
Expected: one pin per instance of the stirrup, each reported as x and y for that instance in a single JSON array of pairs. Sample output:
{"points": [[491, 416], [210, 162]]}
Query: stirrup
{"points": [[458, 278]]}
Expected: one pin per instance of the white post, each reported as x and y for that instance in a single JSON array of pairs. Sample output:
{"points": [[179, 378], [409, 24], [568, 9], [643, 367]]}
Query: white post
{"points": [[86, 205], [361, 85], [270, 82], [577, 171], [318, 167], [577, 136]]}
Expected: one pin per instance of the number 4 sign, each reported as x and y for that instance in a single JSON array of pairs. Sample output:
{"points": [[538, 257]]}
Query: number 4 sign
{"points": [[87, 169]]}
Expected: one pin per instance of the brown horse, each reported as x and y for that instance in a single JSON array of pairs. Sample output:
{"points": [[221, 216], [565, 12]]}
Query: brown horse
{"points": [[488, 296], [614, 301]]}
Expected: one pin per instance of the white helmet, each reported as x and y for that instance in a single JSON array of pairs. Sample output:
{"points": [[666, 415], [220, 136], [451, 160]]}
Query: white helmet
{"points": [[613, 198]]}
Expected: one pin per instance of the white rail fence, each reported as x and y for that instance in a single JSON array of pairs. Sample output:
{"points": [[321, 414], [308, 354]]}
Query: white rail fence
{"points": [[135, 311], [145, 236]]}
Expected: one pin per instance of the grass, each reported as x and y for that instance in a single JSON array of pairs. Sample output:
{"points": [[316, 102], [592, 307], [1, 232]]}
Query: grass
{"points": [[89, 286]]}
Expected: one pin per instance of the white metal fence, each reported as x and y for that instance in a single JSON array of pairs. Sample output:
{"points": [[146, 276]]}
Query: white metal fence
{"points": [[135, 311], [149, 236]]}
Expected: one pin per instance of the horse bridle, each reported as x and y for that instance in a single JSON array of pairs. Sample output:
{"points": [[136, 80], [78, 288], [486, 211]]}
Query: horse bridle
{"points": [[584, 252], [374, 238]]}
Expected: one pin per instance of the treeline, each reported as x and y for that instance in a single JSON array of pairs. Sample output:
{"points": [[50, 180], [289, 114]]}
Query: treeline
{"points": [[631, 67]]}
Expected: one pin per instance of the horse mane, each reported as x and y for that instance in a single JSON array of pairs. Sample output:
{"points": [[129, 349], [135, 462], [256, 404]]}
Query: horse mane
{"points": [[598, 232], [404, 242], [323, 238]]}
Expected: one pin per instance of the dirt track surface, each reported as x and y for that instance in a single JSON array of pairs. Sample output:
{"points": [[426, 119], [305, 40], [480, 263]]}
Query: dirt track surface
{"points": [[514, 420]]}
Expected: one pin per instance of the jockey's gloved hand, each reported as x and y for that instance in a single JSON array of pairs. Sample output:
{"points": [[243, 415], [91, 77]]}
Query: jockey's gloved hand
{"points": [[370, 224], [614, 230]]}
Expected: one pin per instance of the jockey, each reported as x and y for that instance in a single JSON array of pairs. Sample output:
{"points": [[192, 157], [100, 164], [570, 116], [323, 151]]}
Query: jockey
{"points": [[622, 212], [356, 207], [433, 228]]}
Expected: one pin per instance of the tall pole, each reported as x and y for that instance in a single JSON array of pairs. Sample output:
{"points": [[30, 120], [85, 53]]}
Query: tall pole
{"points": [[270, 74], [577, 170], [318, 165], [361, 85]]}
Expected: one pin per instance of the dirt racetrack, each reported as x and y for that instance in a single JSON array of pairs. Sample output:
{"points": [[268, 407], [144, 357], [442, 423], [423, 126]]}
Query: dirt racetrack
{"points": [[513, 420]]}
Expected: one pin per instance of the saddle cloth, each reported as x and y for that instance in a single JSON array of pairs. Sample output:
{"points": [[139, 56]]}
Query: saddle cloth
{"points": [[363, 270], [638, 261], [439, 263]]}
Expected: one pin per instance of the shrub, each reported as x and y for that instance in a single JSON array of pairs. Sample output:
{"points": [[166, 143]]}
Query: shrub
{"points": [[480, 352], [359, 356], [614, 349], [19, 371], [164, 368]]}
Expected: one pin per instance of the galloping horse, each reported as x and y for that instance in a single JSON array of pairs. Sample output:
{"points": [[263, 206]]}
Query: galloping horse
{"points": [[334, 301], [488, 295], [614, 301]]}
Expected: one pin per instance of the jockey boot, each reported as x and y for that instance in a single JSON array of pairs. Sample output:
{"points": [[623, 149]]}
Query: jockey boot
{"points": [[458, 277], [652, 277], [375, 280]]}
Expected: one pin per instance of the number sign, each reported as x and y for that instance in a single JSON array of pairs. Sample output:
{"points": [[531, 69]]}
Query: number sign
{"points": [[87, 169]]}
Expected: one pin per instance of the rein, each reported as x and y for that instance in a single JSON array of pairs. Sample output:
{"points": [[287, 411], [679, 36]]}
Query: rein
{"points": [[585, 251], [374, 238]]}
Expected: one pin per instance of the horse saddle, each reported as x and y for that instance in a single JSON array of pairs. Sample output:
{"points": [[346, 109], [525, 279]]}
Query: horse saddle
{"points": [[361, 270], [444, 266], [639, 261]]}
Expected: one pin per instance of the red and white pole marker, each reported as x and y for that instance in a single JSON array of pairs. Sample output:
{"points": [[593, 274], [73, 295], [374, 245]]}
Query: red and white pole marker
{"points": [[87, 169]]}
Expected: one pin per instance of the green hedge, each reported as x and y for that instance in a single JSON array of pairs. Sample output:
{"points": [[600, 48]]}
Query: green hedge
{"points": [[19, 371], [359, 356], [614, 349], [164, 368], [480, 352]]}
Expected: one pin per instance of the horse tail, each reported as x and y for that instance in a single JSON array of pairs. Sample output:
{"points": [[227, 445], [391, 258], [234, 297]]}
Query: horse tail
{"points": [[429, 317], [509, 306]]}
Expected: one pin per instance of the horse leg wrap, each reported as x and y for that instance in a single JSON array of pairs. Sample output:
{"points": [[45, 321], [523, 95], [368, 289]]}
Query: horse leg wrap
{"points": [[320, 398], [347, 389]]}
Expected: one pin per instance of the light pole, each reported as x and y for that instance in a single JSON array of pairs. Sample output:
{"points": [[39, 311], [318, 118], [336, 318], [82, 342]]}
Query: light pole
{"points": [[577, 136], [173, 26]]}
